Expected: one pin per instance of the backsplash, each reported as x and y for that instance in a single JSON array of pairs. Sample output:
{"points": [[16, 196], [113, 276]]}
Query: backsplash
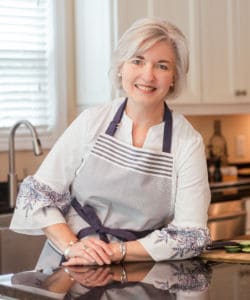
{"points": [[235, 128], [26, 164]]}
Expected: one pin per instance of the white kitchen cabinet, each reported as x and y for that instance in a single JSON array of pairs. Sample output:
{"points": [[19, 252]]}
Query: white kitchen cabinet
{"points": [[218, 33], [225, 51], [185, 15]]}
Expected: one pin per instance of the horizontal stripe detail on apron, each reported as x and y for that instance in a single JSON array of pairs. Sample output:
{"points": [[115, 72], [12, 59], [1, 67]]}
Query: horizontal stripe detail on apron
{"points": [[113, 150]]}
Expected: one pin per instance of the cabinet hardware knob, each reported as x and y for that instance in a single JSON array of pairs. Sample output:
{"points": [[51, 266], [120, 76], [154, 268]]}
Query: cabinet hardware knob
{"points": [[240, 93]]}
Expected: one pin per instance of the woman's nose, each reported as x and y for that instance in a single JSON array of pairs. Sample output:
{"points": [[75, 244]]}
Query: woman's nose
{"points": [[148, 72]]}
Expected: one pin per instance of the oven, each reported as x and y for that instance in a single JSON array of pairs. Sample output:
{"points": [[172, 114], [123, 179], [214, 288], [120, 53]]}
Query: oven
{"points": [[227, 213], [227, 219]]}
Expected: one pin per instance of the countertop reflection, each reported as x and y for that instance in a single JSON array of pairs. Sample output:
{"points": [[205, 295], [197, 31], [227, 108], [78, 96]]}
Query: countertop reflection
{"points": [[181, 280], [187, 279]]}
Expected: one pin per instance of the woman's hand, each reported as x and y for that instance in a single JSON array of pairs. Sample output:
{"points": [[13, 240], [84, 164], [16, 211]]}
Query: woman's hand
{"points": [[90, 251], [58, 282], [91, 277], [100, 276]]}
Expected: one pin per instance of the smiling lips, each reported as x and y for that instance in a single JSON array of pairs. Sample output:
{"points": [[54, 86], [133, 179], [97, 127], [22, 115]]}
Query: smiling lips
{"points": [[145, 88]]}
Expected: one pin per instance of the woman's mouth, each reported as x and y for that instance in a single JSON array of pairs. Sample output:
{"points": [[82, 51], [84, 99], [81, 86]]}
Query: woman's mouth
{"points": [[145, 88]]}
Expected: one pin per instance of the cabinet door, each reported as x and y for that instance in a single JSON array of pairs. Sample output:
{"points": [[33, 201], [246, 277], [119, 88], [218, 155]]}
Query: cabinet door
{"points": [[225, 51], [185, 15]]}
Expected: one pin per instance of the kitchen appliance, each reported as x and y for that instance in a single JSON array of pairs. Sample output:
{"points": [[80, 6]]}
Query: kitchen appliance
{"points": [[227, 213], [227, 219]]}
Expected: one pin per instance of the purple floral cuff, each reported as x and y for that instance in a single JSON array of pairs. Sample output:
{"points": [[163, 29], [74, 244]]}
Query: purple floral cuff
{"points": [[34, 195], [188, 242]]}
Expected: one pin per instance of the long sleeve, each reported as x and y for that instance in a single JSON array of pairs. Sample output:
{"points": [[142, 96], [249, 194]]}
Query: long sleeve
{"points": [[44, 198], [187, 234]]}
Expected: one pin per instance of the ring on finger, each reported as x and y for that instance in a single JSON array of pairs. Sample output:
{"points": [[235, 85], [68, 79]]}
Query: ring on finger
{"points": [[85, 247], [66, 270]]}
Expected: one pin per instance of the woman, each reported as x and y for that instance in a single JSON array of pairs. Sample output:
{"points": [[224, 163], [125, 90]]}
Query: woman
{"points": [[127, 180]]}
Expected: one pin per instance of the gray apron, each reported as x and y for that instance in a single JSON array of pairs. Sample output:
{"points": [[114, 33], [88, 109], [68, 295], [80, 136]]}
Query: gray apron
{"points": [[127, 187]]}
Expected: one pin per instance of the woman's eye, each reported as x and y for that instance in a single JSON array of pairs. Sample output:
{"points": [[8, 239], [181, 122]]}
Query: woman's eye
{"points": [[163, 67], [136, 61]]}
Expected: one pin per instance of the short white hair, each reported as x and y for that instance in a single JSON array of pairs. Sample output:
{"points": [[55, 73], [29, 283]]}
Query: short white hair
{"points": [[142, 35]]}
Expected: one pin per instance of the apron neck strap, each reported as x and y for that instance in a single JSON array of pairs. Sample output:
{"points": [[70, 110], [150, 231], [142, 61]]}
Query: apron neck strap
{"points": [[117, 119], [167, 136], [168, 127]]}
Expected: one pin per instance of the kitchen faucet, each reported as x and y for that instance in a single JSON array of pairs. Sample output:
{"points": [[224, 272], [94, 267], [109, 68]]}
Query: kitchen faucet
{"points": [[12, 176]]}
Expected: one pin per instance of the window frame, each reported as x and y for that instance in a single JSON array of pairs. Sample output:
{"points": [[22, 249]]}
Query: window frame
{"points": [[59, 72]]}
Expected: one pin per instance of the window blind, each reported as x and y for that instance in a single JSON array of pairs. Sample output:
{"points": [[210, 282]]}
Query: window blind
{"points": [[24, 62]]}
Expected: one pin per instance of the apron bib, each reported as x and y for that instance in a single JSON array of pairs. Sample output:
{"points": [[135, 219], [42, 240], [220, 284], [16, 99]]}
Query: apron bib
{"points": [[128, 187]]}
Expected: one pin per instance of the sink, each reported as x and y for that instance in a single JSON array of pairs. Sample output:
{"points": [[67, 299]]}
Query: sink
{"points": [[18, 252], [4, 199]]}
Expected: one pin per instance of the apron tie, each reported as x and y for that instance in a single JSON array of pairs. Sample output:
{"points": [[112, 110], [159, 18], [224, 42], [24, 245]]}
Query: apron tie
{"points": [[89, 215]]}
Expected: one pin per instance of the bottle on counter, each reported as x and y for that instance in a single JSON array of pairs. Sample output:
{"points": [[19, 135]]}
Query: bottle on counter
{"points": [[217, 175], [218, 145]]}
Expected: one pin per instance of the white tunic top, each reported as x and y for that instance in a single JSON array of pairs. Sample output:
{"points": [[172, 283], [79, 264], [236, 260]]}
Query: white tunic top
{"points": [[44, 198]]}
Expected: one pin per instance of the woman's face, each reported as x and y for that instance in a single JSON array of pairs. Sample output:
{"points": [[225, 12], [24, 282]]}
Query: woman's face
{"points": [[147, 77]]}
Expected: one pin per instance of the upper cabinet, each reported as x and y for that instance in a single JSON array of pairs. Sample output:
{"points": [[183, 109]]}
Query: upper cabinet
{"points": [[218, 34], [185, 14], [225, 48]]}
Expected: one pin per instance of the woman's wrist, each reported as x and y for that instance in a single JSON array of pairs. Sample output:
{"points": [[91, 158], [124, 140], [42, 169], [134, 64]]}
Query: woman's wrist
{"points": [[123, 250], [119, 250], [123, 277], [68, 248], [55, 233]]}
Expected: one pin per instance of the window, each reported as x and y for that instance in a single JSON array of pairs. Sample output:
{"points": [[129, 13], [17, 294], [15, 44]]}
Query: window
{"points": [[30, 36], [94, 37]]}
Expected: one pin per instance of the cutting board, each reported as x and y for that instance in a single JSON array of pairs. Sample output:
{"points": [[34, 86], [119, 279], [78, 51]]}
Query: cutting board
{"points": [[222, 255]]}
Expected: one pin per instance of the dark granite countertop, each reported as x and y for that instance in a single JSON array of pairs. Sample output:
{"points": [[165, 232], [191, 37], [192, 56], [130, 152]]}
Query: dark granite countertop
{"points": [[193, 279], [11, 293], [240, 181]]}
